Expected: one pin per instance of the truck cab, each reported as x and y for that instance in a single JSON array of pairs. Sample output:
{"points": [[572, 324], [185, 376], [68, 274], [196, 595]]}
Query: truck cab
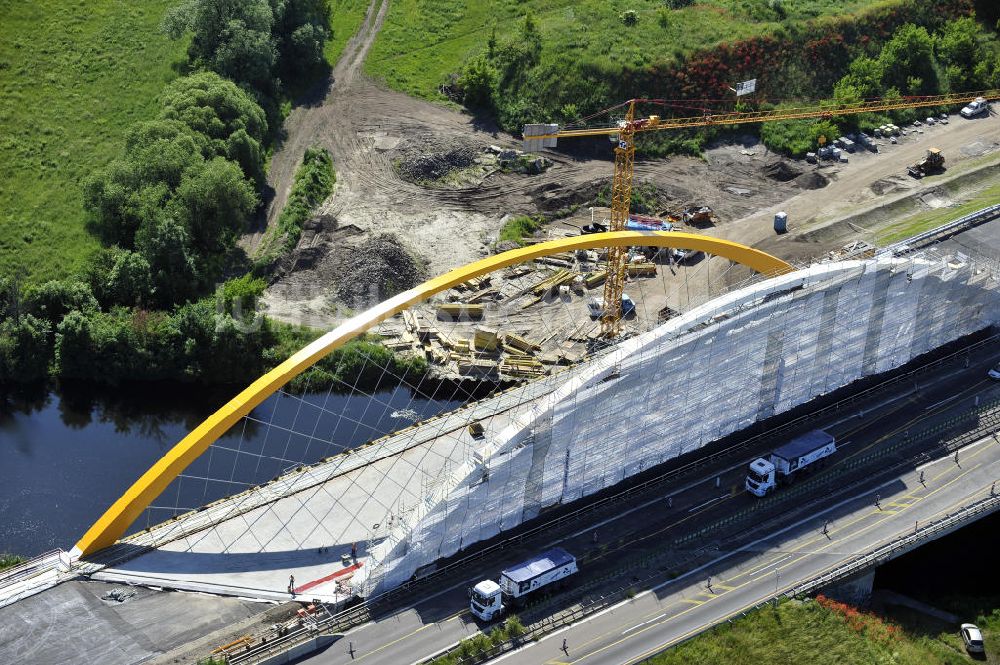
{"points": [[760, 477], [486, 600]]}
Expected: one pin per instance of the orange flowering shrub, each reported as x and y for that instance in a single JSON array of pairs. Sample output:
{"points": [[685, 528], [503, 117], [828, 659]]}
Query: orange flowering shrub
{"points": [[864, 623]]}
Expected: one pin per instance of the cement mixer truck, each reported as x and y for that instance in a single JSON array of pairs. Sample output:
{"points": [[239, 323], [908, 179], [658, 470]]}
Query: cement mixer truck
{"points": [[781, 467]]}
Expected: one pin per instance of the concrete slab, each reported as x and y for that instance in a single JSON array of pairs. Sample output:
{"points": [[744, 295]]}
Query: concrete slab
{"points": [[71, 624]]}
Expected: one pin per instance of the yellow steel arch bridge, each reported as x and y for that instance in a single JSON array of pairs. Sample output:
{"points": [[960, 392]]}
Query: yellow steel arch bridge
{"points": [[116, 520]]}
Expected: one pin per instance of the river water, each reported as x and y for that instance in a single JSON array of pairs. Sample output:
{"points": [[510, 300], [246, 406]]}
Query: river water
{"points": [[67, 456]]}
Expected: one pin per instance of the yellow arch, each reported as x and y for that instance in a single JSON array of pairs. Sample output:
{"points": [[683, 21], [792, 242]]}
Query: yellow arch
{"points": [[113, 523]]}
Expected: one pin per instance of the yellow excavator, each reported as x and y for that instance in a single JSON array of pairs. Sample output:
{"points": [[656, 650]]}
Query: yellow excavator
{"points": [[933, 162]]}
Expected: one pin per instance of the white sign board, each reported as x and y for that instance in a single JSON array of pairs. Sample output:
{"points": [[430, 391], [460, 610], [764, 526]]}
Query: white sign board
{"points": [[746, 87]]}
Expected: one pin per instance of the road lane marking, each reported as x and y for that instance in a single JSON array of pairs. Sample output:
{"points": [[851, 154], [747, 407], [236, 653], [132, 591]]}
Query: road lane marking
{"points": [[766, 568], [710, 501]]}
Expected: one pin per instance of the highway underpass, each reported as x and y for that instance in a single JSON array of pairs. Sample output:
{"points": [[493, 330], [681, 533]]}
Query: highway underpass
{"points": [[742, 571]]}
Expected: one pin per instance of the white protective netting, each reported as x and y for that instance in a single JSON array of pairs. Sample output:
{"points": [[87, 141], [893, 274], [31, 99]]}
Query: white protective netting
{"points": [[721, 366]]}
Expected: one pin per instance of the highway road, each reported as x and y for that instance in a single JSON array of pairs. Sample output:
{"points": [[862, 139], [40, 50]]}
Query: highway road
{"points": [[741, 572], [664, 616]]}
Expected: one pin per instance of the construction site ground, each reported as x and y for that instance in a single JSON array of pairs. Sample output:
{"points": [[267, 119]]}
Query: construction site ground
{"points": [[425, 173]]}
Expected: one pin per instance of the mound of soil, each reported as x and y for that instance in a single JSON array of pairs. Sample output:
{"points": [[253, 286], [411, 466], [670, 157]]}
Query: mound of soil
{"points": [[379, 268], [435, 165], [781, 171], [812, 180]]}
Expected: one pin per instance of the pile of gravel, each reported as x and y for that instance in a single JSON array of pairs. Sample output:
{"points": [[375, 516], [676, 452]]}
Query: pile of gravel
{"points": [[436, 165], [374, 270]]}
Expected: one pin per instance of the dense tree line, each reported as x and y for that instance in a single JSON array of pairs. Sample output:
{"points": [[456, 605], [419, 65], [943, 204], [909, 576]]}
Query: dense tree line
{"points": [[255, 43], [915, 47], [171, 208], [961, 55]]}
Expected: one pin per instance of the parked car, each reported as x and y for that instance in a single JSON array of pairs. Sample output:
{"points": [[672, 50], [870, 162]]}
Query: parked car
{"points": [[972, 637], [994, 372], [977, 107]]}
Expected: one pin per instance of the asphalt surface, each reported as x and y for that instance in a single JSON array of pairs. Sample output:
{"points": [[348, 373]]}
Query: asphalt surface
{"points": [[740, 566]]}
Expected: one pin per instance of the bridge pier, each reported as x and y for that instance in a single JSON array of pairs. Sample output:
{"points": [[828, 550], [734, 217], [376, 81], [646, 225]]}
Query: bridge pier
{"points": [[856, 591]]}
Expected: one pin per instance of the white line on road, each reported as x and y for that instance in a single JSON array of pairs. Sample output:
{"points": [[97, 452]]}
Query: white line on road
{"points": [[767, 568], [612, 608], [639, 625], [710, 501]]}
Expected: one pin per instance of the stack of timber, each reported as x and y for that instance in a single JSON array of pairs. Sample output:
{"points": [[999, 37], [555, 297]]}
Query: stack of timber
{"points": [[595, 278], [477, 367], [485, 339], [522, 367], [475, 284], [512, 343], [641, 269], [454, 310]]}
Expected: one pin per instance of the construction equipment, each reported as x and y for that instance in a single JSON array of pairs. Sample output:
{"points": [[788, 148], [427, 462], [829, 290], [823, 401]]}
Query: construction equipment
{"points": [[539, 136], [933, 162]]}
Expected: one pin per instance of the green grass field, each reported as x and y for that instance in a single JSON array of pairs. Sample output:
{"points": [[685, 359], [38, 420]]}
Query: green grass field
{"points": [[807, 632], [930, 219], [345, 18], [73, 76], [423, 41]]}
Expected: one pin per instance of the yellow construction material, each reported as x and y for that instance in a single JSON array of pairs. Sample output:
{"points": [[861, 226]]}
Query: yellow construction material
{"points": [[485, 339], [641, 269], [454, 310], [596, 278], [114, 522], [520, 343]]}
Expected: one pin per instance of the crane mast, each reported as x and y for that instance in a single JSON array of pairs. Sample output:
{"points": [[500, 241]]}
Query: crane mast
{"points": [[621, 199]]}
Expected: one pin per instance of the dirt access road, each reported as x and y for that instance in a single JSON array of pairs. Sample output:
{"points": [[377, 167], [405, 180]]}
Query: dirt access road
{"points": [[371, 130]]}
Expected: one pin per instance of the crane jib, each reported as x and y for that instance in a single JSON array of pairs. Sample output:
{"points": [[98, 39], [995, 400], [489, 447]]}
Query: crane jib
{"points": [[745, 117]]}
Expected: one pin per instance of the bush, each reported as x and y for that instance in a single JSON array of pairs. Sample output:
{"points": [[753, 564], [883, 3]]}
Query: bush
{"points": [[478, 83], [313, 183], [52, 300], [10, 560], [517, 229], [797, 137], [629, 17], [24, 349], [514, 626]]}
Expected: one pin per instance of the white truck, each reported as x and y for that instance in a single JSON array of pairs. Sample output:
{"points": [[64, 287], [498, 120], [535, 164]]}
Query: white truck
{"points": [[488, 600], [785, 463]]}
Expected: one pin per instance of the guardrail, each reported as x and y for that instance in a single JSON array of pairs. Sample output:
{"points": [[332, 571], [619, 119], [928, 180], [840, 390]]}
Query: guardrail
{"points": [[29, 568], [362, 612], [941, 232], [892, 549]]}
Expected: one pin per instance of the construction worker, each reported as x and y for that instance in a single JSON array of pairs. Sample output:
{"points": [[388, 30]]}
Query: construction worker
{"points": [[291, 584], [354, 552]]}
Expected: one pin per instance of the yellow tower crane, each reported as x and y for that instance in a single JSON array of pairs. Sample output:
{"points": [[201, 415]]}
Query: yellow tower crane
{"points": [[538, 136]]}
